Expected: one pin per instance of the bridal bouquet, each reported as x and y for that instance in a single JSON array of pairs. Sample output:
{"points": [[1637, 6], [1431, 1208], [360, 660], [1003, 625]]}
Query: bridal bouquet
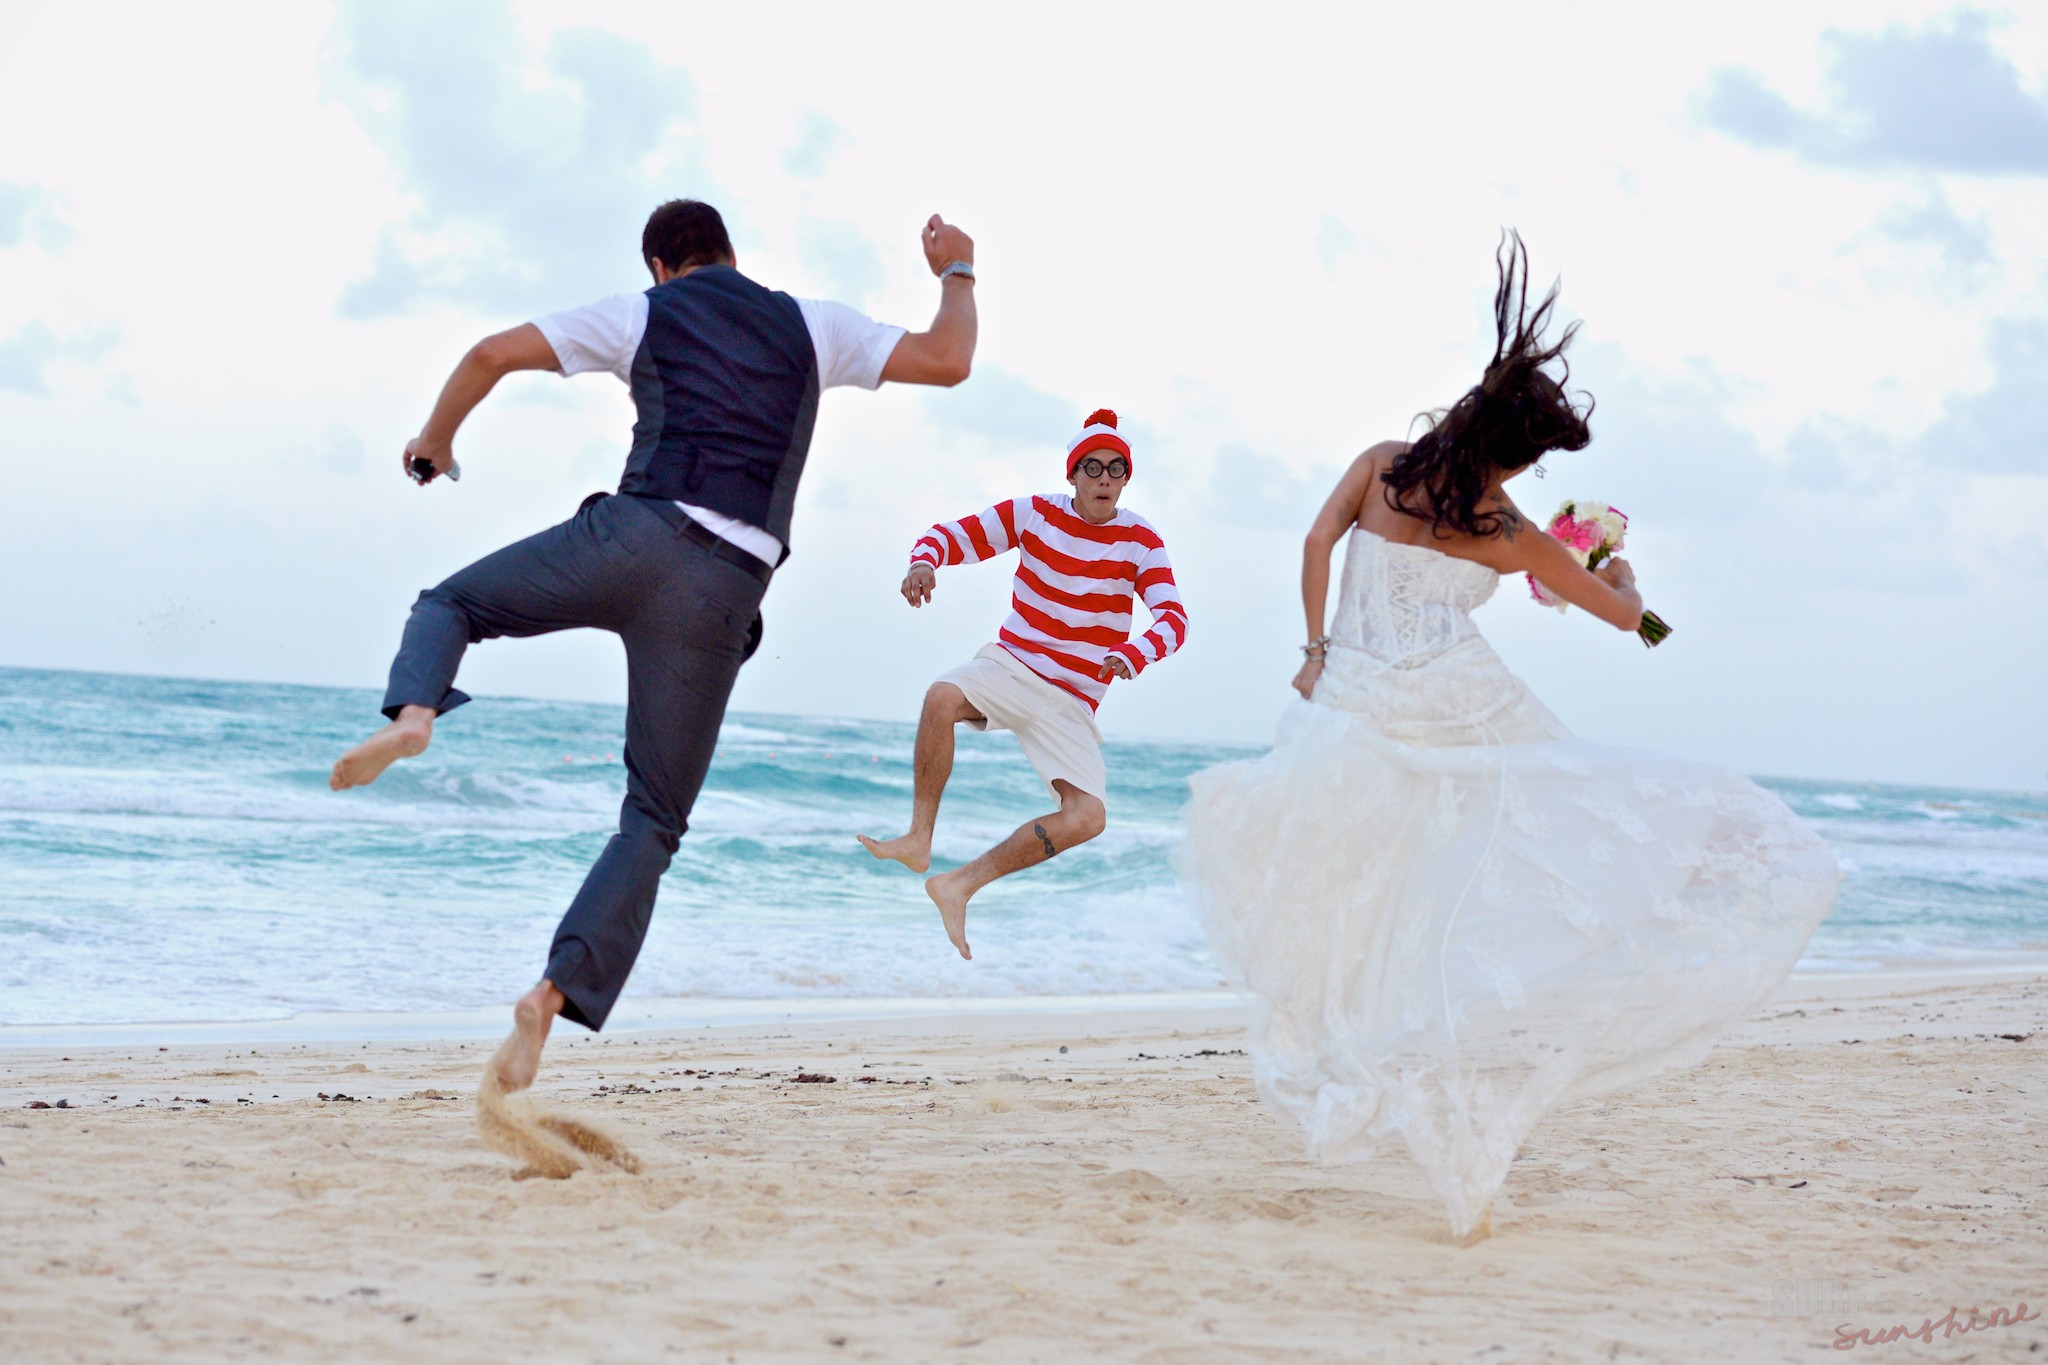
{"points": [[1593, 531]]}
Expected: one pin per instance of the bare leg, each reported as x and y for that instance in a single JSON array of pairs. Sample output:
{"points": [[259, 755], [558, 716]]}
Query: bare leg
{"points": [[945, 706], [402, 738], [518, 1057], [1080, 818]]}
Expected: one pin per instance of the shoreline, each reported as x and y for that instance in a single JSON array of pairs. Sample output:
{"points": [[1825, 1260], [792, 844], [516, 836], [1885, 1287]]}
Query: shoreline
{"points": [[681, 1014], [630, 1016]]}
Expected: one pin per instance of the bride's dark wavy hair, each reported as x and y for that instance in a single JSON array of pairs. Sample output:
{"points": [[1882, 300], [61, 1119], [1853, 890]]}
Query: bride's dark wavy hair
{"points": [[1507, 421]]}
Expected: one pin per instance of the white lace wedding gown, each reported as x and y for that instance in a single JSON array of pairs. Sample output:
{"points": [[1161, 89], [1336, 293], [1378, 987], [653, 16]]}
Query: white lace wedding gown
{"points": [[1451, 914]]}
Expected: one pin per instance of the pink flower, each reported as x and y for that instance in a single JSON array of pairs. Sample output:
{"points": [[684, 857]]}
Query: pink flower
{"points": [[1583, 536], [1585, 529]]}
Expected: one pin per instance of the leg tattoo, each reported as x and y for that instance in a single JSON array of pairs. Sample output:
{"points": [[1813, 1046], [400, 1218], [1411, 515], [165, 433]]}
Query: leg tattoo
{"points": [[1079, 820]]}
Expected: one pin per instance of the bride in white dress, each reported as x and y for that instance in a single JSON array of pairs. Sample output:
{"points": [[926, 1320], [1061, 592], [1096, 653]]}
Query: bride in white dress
{"points": [[1450, 913]]}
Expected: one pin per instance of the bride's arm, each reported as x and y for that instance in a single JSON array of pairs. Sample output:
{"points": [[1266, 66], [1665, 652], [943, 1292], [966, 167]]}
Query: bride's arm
{"points": [[1339, 515], [1608, 592]]}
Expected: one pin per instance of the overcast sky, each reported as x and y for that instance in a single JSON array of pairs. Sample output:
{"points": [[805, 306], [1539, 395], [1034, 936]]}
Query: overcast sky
{"points": [[240, 248]]}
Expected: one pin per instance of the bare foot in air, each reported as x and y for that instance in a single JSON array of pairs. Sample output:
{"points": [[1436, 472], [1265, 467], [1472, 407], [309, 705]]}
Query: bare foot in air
{"points": [[402, 738], [945, 892], [913, 852], [517, 1060]]}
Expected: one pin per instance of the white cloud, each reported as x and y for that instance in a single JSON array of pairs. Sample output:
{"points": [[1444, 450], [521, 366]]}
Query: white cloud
{"points": [[1334, 241], [818, 140], [1004, 408], [840, 256], [29, 216], [522, 193], [2004, 429], [1935, 98], [28, 357], [1934, 222], [1252, 488]]}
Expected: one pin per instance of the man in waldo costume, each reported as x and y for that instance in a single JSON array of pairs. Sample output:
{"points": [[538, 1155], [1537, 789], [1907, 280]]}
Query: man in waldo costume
{"points": [[1081, 559]]}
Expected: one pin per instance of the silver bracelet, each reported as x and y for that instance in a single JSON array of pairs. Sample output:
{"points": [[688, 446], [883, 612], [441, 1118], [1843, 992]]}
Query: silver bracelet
{"points": [[1316, 648], [960, 268]]}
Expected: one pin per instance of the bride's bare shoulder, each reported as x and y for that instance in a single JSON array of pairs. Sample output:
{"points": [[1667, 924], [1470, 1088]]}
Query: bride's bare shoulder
{"points": [[1373, 460], [1347, 502]]}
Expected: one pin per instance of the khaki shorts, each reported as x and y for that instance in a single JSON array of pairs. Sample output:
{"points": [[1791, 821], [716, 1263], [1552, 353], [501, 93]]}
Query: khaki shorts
{"points": [[1055, 727]]}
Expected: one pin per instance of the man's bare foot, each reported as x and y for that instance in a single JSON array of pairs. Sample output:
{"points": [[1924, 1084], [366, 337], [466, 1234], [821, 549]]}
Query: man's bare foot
{"points": [[913, 852], [517, 1060], [402, 738], [945, 892]]}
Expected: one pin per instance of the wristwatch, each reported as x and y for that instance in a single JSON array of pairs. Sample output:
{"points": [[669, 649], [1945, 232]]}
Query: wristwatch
{"points": [[956, 268]]}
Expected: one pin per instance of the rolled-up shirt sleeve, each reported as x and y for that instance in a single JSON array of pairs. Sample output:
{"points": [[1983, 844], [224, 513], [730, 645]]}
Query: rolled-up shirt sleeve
{"points": [[852, 347], [600, 336]]}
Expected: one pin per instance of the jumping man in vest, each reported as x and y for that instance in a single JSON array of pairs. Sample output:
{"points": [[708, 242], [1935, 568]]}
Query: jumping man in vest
{"points": [[726, 376]]}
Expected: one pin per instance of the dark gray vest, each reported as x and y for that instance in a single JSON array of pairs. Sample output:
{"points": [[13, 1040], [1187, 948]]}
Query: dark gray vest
{"points": [[726, 383]]}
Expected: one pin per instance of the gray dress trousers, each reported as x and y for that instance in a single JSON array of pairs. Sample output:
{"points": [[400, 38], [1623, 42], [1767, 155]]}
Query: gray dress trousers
{"points": [[687, 607]]}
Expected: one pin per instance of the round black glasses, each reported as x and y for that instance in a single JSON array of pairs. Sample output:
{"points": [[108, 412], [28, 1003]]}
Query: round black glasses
{"points": [[1119, 468]]}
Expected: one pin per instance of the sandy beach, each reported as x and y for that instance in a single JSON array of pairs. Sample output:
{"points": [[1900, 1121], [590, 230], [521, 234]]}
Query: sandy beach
{"points": [[1866, 1152]]}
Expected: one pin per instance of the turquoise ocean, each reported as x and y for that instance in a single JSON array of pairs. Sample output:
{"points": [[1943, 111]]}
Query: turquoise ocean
{"points": [[169, 851]]}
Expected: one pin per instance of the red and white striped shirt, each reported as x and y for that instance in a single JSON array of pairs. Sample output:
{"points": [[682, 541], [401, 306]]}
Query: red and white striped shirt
{"points": [[1070, 606]]}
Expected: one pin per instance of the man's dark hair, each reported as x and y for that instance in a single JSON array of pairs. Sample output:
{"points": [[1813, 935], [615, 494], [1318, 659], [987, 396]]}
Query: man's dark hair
{"points": [[683, 233]]}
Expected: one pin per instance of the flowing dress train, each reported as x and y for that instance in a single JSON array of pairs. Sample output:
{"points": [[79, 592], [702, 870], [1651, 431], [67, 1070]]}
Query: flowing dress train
{"points": [[1451, 914]]}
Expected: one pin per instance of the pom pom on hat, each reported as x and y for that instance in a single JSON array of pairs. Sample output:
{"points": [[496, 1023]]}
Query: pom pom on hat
{"points": [[1098, 433]]}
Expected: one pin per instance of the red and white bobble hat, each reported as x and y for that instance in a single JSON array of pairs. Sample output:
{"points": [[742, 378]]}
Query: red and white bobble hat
{"points": [[1100, 433]]}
